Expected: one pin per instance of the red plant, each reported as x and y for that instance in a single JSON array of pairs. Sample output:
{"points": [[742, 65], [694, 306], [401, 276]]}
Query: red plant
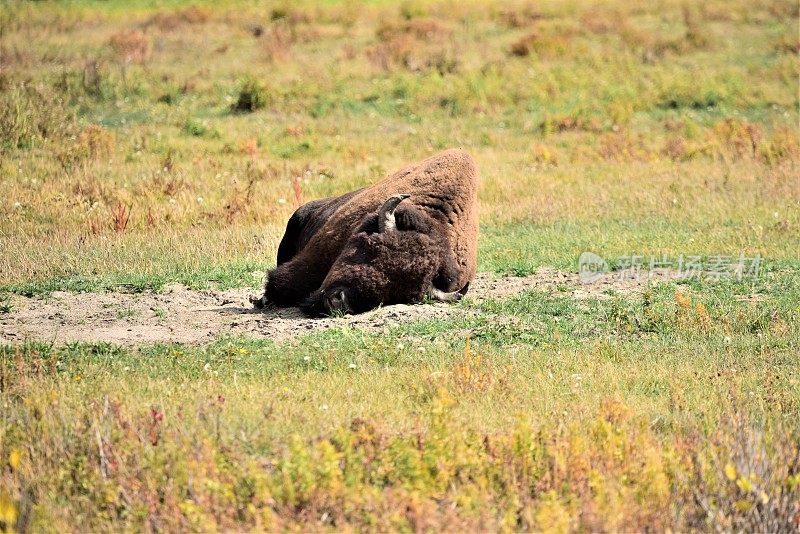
{"points": [[156, 417], [94, 226], [120, 217], [298, 191]]}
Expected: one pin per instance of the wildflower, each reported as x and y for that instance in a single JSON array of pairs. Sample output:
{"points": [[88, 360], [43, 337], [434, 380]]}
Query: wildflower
{"points": [[17, 205], [281, 201], [352, 366], [14, 458], [730, 472], [8, 511]]}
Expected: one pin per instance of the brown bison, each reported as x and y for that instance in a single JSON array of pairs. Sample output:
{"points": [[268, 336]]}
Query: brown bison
{"points": [[411, 235]]}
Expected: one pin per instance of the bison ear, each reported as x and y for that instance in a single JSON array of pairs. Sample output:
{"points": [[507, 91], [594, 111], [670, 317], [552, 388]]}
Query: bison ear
{"points": [[386, 220]]}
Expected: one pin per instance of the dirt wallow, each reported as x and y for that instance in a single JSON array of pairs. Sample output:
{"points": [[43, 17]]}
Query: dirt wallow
{"points": [[181, 315]]}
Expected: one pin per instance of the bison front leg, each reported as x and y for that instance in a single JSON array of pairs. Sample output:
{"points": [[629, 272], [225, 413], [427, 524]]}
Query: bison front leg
{"points": [[259, 302], [292, 282]]}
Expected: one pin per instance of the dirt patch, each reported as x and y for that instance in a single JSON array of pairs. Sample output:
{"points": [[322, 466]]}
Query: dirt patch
{"points": [[178, 314]]}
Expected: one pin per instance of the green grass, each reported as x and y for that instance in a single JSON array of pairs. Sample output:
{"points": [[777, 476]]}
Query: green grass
{"points": [[653, 371], [668, 129]]}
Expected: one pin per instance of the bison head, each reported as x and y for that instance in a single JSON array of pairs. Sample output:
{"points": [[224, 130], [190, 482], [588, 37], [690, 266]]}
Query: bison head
{"points": [[398, 255]]}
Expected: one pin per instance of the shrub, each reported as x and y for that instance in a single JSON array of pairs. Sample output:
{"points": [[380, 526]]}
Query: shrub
{"points": [[541, 45], [92, 143], [130, 46], [276, 41], [603, 20], [675, 148], [783, 146], [252, 97], [424, 29], [619, 146], [788, 44], [409, 53], [518, 17], [739, 138], [745, 479], [195, 127], [187, 16], [417, 45], [610, 471]]}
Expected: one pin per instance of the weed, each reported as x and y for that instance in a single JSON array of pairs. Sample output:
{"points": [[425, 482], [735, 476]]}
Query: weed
{"points": [[621, 147], [128, 312], [130, 46], [469, 375], [5, 303], [30, 115], [695, 35], [576, 122], [250, 147]]}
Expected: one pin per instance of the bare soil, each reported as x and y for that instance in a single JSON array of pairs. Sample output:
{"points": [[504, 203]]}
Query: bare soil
{"points": [[182, 315]]}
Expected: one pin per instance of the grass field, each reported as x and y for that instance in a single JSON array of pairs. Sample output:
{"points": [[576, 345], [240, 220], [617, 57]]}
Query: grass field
{"points": [[146, 143]]}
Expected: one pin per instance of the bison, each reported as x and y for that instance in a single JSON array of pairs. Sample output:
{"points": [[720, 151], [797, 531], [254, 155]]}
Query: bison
{"points": [[411, 235]]}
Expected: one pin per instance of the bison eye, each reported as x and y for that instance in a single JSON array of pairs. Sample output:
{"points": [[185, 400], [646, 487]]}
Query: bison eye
{"points": [[337, 302]]}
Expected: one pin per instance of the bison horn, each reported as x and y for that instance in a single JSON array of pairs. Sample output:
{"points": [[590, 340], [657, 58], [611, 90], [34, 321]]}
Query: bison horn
{"points": [[386, 221], [443, 296]]}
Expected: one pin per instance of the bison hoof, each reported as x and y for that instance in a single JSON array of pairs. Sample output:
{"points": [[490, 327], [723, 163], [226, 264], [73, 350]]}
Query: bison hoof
{"points": [[259, 302], [441, 296]]}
